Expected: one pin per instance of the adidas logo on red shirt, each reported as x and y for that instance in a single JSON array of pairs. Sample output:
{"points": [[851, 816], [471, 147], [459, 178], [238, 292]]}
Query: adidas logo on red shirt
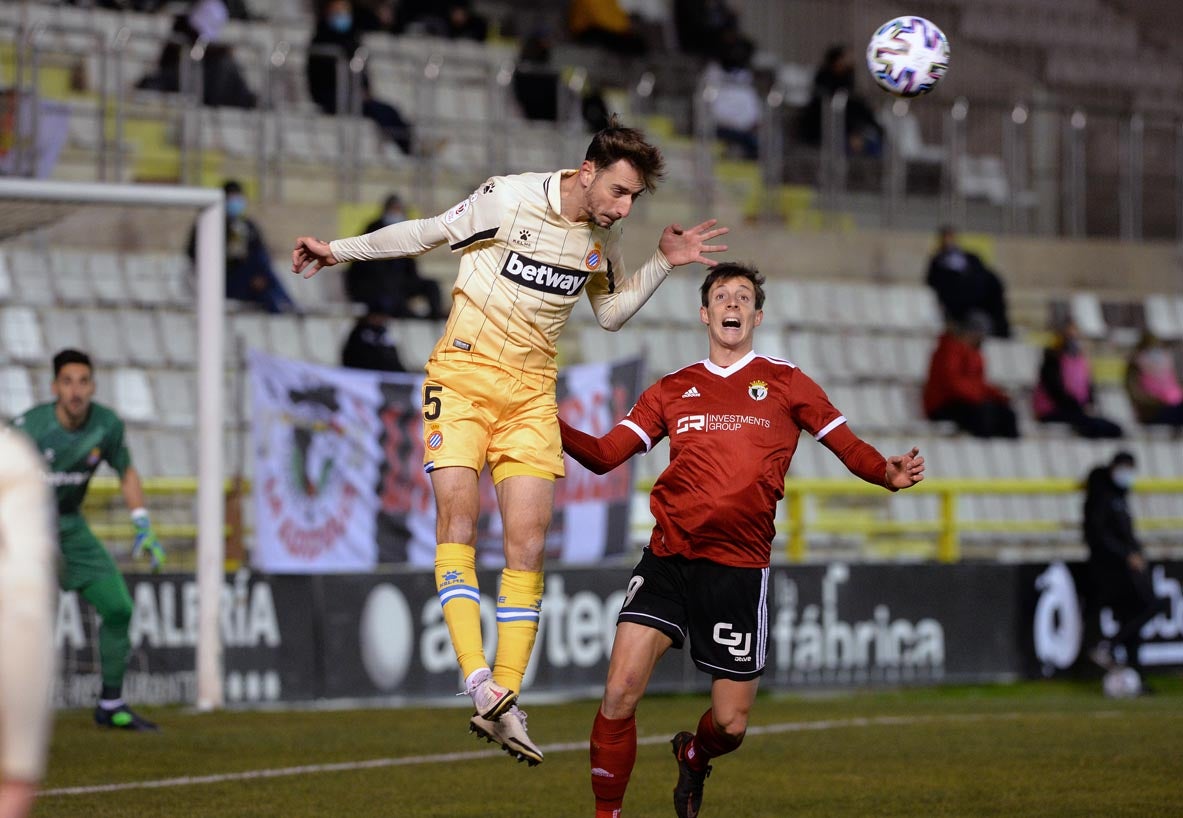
{"points": [[692, 392]]}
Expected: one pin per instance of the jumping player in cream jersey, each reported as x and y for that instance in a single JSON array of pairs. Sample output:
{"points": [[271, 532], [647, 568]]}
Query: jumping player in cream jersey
{"points": [[531, 244]]}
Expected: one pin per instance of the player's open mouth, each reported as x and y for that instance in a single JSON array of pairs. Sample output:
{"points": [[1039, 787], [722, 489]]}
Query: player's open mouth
{"points": [[731, 323]]}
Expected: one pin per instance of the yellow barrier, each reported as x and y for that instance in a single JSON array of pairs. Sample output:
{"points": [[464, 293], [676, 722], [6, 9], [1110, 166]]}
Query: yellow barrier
{"points": [[948, 526]]}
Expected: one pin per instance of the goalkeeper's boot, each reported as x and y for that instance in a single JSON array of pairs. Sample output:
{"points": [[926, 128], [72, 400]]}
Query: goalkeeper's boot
{"points": [[688, 790], [510, 732], [489, 698], [122, 718]]}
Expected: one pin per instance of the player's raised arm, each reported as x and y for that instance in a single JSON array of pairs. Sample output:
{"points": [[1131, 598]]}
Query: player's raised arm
{"points": [[689, 246], [905, 470], [615, 304], [409, 238], [600, 454]]}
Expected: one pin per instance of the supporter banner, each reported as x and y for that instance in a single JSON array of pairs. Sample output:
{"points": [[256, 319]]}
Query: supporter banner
{"points": [[339, 483], [382, 635]]}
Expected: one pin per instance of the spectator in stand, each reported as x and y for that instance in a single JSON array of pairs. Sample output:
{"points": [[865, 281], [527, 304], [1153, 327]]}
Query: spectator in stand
{"points": [[1117, 567], [957, 389], [736, 106], [336, 33], [374, 15], [369, 347], [1153, 384], [864, 134], [703, 24], [1064, 393], [386, 286], [535, 80], [454, 19], [605, 24], [249, 275], [222, 83], [963, 283]]}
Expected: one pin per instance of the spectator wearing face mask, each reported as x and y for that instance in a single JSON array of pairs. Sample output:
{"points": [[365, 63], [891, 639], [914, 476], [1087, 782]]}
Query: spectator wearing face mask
{"points": [[249, 275], [336, 39], [387, 286], [1064, 393], [1153, 384], [1117, 567]]}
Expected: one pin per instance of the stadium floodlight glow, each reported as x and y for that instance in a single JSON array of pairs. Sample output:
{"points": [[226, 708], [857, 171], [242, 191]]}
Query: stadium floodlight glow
{"points": [[37, 203]]}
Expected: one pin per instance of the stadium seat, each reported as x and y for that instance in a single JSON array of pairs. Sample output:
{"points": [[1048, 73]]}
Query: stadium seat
{"points": [[32, 277], [140, 334], [178, 335], [107, 279], [247, 331], [173, 454], [65, 329], [323, 339], [133, 395], [287, 337], [21, 334], [16, 391], [1164, 316], [1085, 309], [416, 339], [176, 397], [72, 277], [107, 344]]}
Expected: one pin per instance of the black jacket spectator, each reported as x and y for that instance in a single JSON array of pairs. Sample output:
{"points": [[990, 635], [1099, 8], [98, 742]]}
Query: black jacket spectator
{"points": [[964, 284], [387, 285], [1118, 570], [337, 39], [369, 347], [864, 134]]}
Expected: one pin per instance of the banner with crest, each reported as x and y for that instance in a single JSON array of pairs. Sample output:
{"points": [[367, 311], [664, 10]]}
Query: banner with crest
{"points": [[339, 484]]}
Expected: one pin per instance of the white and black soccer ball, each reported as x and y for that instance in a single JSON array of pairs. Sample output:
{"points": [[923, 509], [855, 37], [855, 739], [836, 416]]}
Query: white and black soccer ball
{"points": [[1122, 683], [908, 56]]}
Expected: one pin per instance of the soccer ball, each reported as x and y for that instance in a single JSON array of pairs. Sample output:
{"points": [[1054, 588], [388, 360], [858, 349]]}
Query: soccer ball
{"points": [[1122, 683], [908, 56]]}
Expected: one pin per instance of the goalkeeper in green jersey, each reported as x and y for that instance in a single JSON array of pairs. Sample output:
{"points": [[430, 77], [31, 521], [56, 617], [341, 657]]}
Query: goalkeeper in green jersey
{"points": [[74, 434]]}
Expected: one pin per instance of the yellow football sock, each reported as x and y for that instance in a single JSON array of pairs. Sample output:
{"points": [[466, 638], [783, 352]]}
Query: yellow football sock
{"points": [[460, 597], [518, 608]]}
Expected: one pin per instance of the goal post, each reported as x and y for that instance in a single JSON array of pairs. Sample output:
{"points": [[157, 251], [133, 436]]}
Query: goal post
{"points": [[31, 204]]}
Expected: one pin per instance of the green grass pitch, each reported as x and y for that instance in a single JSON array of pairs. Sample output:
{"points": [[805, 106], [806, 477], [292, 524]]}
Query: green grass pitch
{"points": [[1039, 749]]}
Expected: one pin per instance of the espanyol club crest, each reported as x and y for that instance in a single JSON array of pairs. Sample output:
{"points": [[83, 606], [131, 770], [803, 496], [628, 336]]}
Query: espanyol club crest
{"points": [[757, 390], [594, 256]]}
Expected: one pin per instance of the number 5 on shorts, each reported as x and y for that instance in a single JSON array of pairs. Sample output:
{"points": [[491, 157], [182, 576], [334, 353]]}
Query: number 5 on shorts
{"points": [[432, 405]]}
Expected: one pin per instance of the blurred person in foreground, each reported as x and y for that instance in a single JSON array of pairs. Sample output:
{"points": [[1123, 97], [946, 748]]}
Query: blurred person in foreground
{"points": [[1064, 393], [75, 434], [530, 244], [704, 574], [1119, 573], [1152, 383], [26, 622], [957, 388]]}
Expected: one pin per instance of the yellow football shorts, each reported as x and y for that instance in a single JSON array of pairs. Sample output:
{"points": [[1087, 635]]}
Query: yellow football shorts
{"points": [[473, 414]]}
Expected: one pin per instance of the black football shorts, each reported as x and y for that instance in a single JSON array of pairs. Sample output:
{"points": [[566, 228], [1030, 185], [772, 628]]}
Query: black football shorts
{"points": [[722, 610]]}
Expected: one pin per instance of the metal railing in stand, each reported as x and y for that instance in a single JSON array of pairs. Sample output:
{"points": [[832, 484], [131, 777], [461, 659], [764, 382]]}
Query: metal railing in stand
{"points": [[833, 167], [704, 144], [948, 526], [192, 111]]}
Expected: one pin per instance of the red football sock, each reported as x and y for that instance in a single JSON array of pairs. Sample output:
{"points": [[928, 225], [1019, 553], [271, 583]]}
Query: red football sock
{"points": [[613, 753], [709, 742]]}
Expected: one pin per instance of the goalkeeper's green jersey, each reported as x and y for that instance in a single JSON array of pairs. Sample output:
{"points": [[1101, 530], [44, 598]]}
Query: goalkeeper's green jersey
{"points": [[73, 455]]}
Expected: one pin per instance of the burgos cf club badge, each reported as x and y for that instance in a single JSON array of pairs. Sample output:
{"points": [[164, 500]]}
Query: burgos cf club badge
{"points": [[757, 390], [593, 257]]}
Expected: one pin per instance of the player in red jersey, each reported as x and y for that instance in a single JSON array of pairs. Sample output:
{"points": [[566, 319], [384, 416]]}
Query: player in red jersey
{"points": [[733, 421]]}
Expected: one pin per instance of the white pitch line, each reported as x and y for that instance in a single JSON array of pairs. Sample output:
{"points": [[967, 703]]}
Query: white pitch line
{"points": [[571, 746]]}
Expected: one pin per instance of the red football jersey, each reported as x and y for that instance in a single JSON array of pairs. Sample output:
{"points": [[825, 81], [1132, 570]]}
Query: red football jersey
{"points": [[732, 434]]}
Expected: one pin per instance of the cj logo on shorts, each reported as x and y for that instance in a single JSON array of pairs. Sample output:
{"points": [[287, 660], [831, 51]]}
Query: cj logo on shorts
{"points": [[545, 277], [738, 645]]}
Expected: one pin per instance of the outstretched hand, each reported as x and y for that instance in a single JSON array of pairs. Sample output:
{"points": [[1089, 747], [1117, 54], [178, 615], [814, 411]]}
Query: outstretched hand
{"points": [[687, 246], [905, 470], [311, 251]]}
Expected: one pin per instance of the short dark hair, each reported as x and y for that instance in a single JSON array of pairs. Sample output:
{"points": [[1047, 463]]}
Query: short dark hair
{"points": [[617, 142], [70, 356], [231, 186], [1123, 458], [731, 269]]}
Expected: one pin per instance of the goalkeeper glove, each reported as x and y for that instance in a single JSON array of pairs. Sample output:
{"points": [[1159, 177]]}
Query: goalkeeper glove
{"points": [[146, 540]]}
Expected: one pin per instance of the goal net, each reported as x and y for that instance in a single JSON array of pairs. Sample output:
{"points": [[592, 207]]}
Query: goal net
{"points": [[106, 269]]}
